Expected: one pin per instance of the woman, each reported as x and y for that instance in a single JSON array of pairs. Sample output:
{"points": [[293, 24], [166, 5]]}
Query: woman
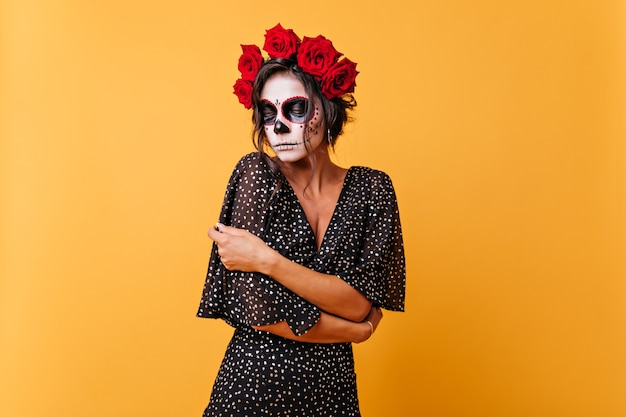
{"points": [[305, 253]]}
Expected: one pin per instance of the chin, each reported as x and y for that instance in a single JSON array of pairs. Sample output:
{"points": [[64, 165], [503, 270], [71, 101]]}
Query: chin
{"points": [[291, 156]]}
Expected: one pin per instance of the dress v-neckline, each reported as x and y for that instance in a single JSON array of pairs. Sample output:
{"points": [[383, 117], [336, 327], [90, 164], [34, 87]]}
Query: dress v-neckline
{"points": [[332, 216]]}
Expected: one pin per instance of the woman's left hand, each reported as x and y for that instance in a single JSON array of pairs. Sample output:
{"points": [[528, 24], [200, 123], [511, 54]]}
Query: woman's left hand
{"points": [[375, 316], [239, 249]]}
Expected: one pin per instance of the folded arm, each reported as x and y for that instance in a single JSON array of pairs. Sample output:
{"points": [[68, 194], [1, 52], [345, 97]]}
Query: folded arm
{"points": [[241, 250], [330, 329]]}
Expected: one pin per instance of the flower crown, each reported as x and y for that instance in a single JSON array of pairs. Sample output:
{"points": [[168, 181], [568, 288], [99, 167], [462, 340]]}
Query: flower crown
{"points": [[315, 56]]}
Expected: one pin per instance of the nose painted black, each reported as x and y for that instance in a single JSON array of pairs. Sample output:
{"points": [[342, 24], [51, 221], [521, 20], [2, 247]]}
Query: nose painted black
{"points": [[280, 127]]}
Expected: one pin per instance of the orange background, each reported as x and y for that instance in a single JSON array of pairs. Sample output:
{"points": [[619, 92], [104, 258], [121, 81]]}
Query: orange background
{"points": [[501, 124]]}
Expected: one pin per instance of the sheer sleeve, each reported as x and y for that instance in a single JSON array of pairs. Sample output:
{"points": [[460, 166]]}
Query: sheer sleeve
{"points": [[378, 269], [246, 298]]}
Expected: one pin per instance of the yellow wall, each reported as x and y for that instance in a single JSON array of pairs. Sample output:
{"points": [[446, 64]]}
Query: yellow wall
{"points": [[500, 122]]}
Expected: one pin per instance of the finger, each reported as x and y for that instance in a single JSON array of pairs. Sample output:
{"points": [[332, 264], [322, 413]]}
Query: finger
{"points": [[214, 234], [222, 228]]}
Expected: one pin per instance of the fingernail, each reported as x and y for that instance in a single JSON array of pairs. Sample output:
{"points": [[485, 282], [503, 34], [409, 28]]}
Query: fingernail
{"points": [[218, 226]]}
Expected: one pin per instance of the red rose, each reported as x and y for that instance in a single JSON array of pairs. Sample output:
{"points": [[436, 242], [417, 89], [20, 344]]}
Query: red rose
{"points": [[243, 91], [250, 62], [317, 55], [280, 42], [340, 79]]}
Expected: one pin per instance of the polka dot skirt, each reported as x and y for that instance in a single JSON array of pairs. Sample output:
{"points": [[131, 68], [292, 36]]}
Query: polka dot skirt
{"points": [[266, 375]]}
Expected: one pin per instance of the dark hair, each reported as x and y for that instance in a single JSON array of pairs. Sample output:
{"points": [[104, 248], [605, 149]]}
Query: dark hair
{"points": [[335, 110]]}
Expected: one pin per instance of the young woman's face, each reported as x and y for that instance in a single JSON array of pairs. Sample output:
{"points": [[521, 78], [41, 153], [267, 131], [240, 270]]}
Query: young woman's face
{"points": [[283, 108]]}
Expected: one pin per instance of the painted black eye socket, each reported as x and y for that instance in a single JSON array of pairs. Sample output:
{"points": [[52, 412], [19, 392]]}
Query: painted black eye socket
{"points": [[268, 112], [294, 109]]}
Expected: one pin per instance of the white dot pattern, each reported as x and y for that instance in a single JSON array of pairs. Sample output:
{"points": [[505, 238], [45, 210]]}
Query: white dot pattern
{"points": [[262, 374]]}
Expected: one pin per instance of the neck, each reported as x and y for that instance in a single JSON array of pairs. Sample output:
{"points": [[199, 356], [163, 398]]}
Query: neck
{"points": [[311, 173]]}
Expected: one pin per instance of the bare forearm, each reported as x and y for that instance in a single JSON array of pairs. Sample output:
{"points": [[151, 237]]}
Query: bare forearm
{"points": [[329, 329], [328, 292], [240, 250]]}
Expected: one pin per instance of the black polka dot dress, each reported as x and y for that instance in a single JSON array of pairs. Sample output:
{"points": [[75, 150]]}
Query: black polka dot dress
{"points": [[266, 375]]}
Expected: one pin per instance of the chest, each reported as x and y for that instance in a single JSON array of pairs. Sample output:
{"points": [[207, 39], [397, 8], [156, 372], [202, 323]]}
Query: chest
{"points": [[319, 213], [323, 234]]}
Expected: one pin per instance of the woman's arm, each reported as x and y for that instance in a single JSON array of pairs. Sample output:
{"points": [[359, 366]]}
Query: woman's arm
{"points": [[330, 329], [241, 250]]}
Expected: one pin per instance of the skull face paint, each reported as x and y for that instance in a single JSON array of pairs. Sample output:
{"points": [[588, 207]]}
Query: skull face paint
{"points": [[280, 127], [293, 109], [315, 122], [290, 131]]}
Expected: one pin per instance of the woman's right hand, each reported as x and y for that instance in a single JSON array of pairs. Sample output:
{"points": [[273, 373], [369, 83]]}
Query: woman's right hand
{"points": [[239, 250]]}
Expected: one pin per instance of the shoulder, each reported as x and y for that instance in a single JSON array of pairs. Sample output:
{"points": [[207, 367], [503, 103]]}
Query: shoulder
{"points": [[251, 178], [251, 165], [371, 178], [373, 187]]}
